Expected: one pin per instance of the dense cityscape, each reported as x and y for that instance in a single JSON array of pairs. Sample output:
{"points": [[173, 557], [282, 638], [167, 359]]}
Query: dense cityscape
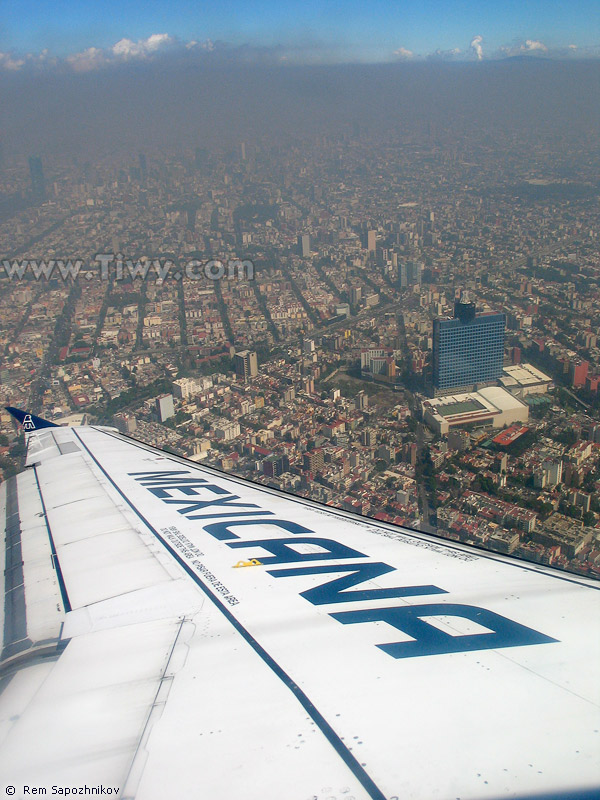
{"points": [[278, 310]]}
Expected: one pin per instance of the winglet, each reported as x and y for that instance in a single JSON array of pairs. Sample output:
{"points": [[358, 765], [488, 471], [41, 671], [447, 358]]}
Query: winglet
{"points": [[29, 421]]}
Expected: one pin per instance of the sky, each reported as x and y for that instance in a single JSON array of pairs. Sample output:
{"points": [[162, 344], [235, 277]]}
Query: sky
{"points": [[303, 31]]}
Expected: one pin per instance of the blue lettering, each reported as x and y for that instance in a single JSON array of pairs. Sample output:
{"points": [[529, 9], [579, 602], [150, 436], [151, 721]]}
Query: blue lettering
{"points": [[426, 638], [431, 641], [162, 493], [283, 554], [333, 591], [232, 514], [221, 530], [155, 476], [172, 481], [198, 505]]}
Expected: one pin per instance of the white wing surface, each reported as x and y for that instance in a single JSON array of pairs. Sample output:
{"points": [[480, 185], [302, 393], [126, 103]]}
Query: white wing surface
{"points": [[174, 632]]}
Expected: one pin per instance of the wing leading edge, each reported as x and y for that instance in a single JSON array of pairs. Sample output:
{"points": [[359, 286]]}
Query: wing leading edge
{"points": [[178, 628]]}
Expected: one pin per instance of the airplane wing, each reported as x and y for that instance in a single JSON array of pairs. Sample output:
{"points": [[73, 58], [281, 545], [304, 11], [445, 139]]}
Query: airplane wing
{"points": [[174, 632]]}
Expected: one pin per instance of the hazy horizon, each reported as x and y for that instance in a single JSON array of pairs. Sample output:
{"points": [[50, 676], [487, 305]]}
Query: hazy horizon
{"points": [[174, 104]]}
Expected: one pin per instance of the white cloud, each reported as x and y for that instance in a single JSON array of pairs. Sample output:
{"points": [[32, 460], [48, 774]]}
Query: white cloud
{"points": [[123, 50], [12, 62], [445, 55], [127, 48], [158, 40], [403, 53], [159, 45], [476, 45], [9, 62], [207, 45], [531, 44], [89, 59]]}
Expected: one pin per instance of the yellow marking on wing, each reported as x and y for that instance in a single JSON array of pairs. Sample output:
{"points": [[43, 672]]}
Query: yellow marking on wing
{"points": [[254, 562]]}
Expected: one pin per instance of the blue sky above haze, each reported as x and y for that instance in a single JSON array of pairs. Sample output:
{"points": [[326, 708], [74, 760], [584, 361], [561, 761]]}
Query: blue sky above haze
{"points": [[338, 31]]}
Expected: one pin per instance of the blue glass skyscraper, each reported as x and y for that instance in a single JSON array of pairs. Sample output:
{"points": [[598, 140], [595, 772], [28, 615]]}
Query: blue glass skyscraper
{"points": [[38, 182], [467, 350]]}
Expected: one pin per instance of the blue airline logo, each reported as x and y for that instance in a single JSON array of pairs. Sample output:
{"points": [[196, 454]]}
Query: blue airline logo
{"points": [[29, 421], [221, 512]]}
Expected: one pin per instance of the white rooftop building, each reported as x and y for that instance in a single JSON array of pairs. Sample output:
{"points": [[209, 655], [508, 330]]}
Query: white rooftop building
{"points": [[491, 406], [524, 379], [184, 388]]}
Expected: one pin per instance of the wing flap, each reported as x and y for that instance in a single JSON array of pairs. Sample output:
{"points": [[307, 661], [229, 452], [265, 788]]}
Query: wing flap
{"points": [[88, 715], [33, 605], [101, 551], [45, 607]]}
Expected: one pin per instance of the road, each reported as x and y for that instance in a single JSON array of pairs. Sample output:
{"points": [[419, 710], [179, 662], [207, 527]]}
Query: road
{"points": [[423, 494]]}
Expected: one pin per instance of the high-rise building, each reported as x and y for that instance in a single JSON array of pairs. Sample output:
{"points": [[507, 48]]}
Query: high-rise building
{"points": [[313, 460], [369, 437], [185, 388], [124, 422], [371, 241], [414, 272], [308, 385], [378, 361], [355, 295], [38, 182], [304, 245], [409, 274], [276, 465], [246, 364], [467, 350], [164, 407], [361, 401], [578, 371], [402, 275], [227, 430]]}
